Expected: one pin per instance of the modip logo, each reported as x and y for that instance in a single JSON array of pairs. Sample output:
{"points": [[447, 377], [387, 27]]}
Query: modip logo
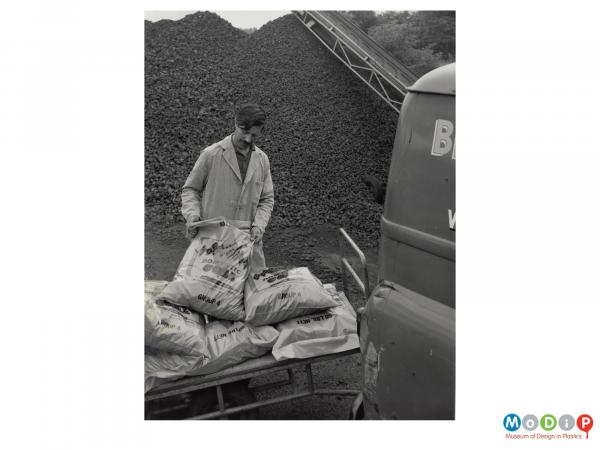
{"points": [[547, 427]]}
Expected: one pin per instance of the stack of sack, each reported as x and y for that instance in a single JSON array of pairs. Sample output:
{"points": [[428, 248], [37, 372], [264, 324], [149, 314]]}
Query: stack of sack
{"points": [[288, 312]]}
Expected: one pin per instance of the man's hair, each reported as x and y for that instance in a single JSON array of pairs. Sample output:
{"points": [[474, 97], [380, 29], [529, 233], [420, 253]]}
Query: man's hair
{"points": [[250, 115]]}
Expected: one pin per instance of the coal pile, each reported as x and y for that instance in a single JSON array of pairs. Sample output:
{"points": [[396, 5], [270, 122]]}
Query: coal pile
{"points": [[325, 129], [185, 102]]}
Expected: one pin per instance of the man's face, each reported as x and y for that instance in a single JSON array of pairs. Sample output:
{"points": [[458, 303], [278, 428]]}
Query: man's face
{"points": [[244, 138]]}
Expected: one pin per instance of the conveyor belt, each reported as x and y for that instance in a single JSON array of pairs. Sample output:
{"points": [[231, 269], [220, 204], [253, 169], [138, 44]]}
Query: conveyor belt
{"points": [[361, 54]]}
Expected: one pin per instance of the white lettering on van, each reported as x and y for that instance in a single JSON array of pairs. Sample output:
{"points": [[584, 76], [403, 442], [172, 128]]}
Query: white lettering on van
{"points": [[452, 219], [442, 140]]}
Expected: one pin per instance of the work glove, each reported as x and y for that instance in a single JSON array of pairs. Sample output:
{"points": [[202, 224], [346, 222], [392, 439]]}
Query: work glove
{"points": [[191, 233], [256, 234]]}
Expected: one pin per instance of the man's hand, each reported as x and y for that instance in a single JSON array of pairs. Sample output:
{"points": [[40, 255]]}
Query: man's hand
{"points": [[255, 234], [191, 233]]}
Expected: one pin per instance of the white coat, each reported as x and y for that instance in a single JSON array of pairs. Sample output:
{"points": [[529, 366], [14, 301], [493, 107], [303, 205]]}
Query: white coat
{"points": [[215, 188]]}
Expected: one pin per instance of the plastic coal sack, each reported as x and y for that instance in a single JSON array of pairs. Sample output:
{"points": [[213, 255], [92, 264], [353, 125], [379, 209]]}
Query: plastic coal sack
{"points": [[322, 333], [228, 343], [275, 295], [210, 278], [171, 328]]}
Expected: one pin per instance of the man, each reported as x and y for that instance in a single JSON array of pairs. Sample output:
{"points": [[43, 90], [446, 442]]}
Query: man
{"points": [[232, 178]]}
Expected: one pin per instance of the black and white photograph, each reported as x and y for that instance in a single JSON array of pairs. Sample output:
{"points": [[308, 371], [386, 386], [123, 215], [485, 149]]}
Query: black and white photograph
{"points": [[300, 215], [225, 211]]}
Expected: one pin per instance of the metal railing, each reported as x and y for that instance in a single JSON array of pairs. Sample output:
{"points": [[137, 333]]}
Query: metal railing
{"points": [[346, 267]]}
